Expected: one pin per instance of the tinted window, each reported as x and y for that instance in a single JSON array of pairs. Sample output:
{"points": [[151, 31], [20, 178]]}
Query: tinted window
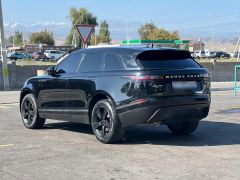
{"points": [[112, 62], [69, 64], [166, 59], [169, 64], [55, 52], [91, 62]]}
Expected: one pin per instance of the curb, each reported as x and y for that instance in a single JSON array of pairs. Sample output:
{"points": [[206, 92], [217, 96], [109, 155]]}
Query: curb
{"points": [[222, 89]]}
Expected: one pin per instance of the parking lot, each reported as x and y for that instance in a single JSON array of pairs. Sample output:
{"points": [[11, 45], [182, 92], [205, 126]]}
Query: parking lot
{"points": [[65, 150]]}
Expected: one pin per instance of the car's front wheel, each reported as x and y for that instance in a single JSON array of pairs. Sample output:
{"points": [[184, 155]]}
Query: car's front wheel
{"points": [[183, 128], [105, 122], [29, 113]]}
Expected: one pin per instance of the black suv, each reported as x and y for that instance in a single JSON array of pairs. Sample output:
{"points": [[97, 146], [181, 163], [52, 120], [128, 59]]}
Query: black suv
{"points": [[117, 87], [221, 54]]}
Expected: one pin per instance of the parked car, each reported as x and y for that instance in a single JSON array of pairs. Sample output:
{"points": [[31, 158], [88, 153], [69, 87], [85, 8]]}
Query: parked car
{"points": [[210, 55], [39, 55], [17, 55], [115, 88], [200, 54], [221, 54], [193, 55], [53, 54], [235, 55]]}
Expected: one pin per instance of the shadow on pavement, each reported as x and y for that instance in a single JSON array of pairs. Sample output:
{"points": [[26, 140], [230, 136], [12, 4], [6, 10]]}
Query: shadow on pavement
{"points": [[209, 133], [75, 127]]}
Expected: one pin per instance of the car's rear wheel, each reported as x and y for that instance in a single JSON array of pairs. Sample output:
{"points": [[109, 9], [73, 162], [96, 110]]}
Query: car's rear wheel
{"points": [[52, 58], [183, 128], [29, 113], [105, 122]]}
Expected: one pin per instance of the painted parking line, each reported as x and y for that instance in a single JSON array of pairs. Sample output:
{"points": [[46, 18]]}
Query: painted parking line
{"points": [[6, 145]]}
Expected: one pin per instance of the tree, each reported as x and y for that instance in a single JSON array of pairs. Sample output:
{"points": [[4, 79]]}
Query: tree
{"points": [[43, 37], [104, 34], [145, 30], [149, 31], [16, 39], [81, 16]]}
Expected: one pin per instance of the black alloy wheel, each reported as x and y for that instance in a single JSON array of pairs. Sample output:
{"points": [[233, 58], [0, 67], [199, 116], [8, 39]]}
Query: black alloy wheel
{"points": [[102, 122], [29, 113], [105, 123]]}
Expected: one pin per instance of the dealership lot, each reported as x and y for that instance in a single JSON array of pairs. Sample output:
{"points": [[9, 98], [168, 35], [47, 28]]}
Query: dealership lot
{"points": [[65, 150]]}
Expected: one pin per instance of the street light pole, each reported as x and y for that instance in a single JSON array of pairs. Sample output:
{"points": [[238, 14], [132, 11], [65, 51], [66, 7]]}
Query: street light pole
{"points": [[3, 54]]}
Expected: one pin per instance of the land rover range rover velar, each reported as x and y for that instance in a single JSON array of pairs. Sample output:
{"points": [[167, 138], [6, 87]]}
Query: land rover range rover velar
{"points": [[117, 87]]}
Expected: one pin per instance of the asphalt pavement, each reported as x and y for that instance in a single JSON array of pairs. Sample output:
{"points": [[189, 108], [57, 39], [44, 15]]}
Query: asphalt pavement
{"points": [[63, 150]]}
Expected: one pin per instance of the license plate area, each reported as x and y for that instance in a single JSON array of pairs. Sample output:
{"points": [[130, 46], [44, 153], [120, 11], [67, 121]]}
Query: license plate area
{"points": [[182, 85]]}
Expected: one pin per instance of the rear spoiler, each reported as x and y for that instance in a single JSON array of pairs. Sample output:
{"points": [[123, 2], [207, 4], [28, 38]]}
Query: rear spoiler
{"points": [[168, 54]]}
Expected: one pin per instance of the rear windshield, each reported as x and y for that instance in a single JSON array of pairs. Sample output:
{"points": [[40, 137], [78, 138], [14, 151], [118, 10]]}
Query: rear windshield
{"points": [[166, 60]]}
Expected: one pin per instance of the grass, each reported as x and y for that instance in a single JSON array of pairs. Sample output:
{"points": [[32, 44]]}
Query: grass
{"points": [[30, 62], [217, 60]]}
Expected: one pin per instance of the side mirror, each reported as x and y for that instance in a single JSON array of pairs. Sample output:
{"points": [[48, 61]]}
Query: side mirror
{"points": [[51, 71]]}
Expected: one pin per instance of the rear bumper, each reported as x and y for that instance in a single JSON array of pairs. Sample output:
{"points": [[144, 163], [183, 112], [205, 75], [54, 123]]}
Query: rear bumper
{"points": [[164, 114]]}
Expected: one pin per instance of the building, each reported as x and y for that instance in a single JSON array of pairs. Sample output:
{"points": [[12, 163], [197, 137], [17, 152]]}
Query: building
{"points": [[196, 46]]}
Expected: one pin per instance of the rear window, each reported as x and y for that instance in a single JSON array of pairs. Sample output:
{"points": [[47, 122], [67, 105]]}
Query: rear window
{"points": [[166, 60]]}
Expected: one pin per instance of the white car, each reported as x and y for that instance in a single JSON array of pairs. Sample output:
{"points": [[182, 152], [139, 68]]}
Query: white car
{"points": [[53, 54], [200, 54]]}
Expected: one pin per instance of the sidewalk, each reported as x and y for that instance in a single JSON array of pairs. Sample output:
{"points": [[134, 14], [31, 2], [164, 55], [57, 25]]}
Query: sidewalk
{"points": [[222, 86], [9, 97]]}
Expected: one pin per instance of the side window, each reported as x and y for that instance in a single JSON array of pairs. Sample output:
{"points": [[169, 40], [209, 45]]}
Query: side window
{"points": [[112, 62], [69, 64], [129, 62], [91, 62]]}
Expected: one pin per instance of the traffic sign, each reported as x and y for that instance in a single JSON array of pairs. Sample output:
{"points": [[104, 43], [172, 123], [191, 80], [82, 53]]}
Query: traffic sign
{"points": [[84, 31]]}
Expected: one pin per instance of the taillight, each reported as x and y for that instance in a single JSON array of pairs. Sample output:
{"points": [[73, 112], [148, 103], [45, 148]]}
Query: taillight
{"points": [[144, 78]]}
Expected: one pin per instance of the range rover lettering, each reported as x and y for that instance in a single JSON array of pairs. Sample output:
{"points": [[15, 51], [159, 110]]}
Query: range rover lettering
{"points": [[117, 87]]}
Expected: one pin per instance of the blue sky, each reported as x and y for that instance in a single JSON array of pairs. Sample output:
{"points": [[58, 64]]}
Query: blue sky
{"points": [[192, 18]]}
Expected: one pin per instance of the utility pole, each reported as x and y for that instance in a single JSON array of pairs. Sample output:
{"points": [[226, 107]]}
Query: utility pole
{"points": [[3, 49]]}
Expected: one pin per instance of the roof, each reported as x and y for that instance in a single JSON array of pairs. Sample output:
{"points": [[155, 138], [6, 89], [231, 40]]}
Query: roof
{"points": [[129, 49]]}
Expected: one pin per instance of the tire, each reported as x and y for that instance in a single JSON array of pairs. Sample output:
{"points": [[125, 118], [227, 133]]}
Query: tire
{"points": [[52, 58], [183, 128], [105, 122], [29, 113]]}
